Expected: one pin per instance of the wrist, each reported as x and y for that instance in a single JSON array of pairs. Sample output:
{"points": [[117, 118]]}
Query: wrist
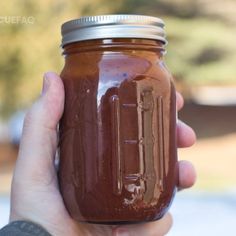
{"points": [[46, 228], [23, 228]]}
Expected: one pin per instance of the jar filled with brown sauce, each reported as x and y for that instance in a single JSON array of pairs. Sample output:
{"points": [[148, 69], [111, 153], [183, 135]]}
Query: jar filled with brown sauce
{"points": [[118, 161]]}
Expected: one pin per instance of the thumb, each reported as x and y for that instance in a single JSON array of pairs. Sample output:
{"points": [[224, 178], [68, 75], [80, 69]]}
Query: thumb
{"points": [[39, 137]]}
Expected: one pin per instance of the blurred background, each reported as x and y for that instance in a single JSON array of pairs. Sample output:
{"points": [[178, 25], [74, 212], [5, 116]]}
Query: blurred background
{"points": [[202, 57]]}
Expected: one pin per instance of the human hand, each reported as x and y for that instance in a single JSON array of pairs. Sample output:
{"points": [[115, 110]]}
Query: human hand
{"points": [[35, 194]]}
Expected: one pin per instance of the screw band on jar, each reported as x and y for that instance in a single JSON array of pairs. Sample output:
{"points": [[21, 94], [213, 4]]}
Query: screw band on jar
{"points": [[113, 26]]}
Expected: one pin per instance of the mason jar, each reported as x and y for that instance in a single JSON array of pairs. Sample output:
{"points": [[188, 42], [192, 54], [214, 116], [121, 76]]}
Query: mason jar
{"points": [[118, 161]]}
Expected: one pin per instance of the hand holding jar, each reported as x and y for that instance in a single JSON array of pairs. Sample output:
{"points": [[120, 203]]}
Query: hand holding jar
{"points": [[35, 196]]}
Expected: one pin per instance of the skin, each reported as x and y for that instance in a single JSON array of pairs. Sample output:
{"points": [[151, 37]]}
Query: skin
{"points": [[35, 195]]}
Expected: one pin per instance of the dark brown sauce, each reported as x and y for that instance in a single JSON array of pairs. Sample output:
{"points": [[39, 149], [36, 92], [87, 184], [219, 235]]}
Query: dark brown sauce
{"points": [[118, 161]]}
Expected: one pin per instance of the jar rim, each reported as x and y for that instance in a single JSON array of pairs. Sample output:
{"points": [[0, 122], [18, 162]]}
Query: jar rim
{"points": [[113, 26]]}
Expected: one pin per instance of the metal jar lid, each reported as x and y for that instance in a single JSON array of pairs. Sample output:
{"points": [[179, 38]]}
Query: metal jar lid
{"points": [[113, 26]]}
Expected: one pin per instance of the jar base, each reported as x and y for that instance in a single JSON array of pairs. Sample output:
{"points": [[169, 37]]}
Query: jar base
{"points": [[120, 222]]}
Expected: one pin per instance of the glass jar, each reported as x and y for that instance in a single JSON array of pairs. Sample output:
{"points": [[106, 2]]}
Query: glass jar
{"points": [[118, 161]]}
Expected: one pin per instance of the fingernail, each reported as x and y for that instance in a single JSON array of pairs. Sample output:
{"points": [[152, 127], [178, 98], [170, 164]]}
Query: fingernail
{"points": [[46, 83], [122, 232]]}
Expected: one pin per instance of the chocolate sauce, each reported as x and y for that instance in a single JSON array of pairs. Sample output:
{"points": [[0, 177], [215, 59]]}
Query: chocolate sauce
{"points": [[118, 161]]}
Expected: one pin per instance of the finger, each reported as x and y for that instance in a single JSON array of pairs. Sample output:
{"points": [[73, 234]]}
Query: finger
{"points": [[39, 138], [185, 135], [179, 101], [155, 228], [187, 175]]}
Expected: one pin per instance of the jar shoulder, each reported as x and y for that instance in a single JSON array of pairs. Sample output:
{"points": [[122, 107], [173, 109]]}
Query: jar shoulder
{"points": [[114, 65]]}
